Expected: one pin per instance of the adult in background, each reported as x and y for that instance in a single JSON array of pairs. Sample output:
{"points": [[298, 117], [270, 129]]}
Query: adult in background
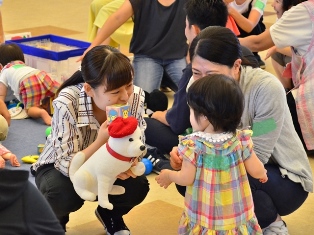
{"points": [[295, 29], [158, 42], [276, 144], [169, 124]]}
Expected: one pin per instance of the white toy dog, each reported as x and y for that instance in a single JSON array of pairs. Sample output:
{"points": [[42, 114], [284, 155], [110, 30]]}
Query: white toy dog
{"points": [[97, 175]]}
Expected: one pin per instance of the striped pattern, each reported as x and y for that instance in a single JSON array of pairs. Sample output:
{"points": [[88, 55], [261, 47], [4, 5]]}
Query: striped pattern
{"points": [[74, 126], [220, 198]]}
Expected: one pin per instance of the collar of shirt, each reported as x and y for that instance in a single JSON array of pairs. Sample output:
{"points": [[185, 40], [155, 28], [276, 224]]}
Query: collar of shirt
{"points": [[85, 112]]}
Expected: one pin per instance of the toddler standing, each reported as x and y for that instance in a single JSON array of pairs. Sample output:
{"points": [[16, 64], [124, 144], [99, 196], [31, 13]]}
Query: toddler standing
{"points": [[216, 160]]}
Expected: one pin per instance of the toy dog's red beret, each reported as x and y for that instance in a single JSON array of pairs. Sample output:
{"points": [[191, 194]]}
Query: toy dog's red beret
{"points": [[121, 127]]}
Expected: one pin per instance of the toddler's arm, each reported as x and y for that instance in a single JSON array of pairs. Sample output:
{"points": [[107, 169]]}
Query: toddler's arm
{"points": [[183, 177], [255, 168]]}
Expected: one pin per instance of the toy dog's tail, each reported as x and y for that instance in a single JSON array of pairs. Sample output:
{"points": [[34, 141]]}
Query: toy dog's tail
{"points": [[76, 163]]}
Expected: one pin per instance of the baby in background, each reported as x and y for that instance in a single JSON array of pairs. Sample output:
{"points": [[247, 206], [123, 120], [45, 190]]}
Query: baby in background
{"points": [[30, 85], [216, 160], [6, 154]]}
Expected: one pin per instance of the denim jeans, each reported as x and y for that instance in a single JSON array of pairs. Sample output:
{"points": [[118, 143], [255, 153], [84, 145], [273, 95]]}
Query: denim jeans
{"points": [[59, 192], [149, 72]]}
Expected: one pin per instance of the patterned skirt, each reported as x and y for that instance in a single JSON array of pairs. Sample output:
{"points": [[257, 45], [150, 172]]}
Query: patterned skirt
{"points": [[187, 228], [35, 88]]}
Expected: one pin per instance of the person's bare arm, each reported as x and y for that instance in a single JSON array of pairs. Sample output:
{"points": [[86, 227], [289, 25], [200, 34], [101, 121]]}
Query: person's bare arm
{"points": [[102, 138], [184, 177], [161, 116], [259, 42], [255, 168], [112, 24], [246, 24]]}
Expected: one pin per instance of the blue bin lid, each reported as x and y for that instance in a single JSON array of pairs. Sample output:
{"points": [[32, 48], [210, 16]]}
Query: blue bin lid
{"points": [[48, 54]]}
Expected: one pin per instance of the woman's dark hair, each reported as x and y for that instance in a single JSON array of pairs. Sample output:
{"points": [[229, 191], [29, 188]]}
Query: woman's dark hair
{"points": [[287, 4], [220, 99], [218, 45], [10, 52], [103, 65]]}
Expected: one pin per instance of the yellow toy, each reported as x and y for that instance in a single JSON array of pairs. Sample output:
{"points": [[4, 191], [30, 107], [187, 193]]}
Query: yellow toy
{"points": [[30, 159]]}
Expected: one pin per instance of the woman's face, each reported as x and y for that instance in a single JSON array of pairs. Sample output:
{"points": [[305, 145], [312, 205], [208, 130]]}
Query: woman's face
{"points": [[202, 67], [102, 98], [277, 5]]}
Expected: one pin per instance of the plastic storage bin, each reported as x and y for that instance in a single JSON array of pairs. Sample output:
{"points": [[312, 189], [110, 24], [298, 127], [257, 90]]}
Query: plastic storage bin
{"points": [[54, 54]]}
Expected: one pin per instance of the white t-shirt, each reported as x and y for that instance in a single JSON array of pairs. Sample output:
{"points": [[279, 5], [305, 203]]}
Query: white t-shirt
{"points": [[258, 5], [294, 28], [12, 77]]}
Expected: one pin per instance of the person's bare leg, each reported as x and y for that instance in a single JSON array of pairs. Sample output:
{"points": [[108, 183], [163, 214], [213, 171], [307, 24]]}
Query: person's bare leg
{"points": [[279, 70], [2, 162], [38, 112], [12, 158]]}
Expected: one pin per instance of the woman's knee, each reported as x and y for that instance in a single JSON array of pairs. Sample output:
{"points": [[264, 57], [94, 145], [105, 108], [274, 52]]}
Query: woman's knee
{"points": [[59, 192]]}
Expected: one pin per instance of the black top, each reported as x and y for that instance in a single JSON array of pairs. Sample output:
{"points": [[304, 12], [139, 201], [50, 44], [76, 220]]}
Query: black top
{"points": [[159, 30]]}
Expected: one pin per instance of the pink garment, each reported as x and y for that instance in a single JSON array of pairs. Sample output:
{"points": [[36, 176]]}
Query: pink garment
{"points": [[231, 24], [3, 150], [301, 70]]}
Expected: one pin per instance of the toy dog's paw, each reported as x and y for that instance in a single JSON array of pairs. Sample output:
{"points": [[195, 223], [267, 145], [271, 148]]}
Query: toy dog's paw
{"points": [[106, 205], [139, 169], [88, 196], [30, 159], [117, 190]]}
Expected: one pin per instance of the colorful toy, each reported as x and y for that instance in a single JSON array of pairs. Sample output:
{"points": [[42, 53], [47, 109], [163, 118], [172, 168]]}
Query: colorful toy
{"points": [[117, 110], [48, 131], [96, 176], [6, 154], [40, 148], [148, 166], [30, 159]]}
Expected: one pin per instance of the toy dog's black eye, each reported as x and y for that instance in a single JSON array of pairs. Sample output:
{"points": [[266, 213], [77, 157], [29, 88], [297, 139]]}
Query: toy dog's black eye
{"points": [[131, 139]]}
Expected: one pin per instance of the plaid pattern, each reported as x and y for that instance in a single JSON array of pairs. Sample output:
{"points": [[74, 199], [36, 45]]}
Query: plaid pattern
{"points": [[35, 88], [302, 71], [220, 198]]}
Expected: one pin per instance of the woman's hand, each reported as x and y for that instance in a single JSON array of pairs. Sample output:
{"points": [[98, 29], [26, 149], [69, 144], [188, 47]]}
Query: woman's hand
{"points": [[103, 134], [82, 56], [270, 52], [175, 159], [128, 173]]}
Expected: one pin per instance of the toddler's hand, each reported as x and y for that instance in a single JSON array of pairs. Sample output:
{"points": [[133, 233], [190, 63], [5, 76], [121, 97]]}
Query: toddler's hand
{"points": [[265, 178], [163, 178]]}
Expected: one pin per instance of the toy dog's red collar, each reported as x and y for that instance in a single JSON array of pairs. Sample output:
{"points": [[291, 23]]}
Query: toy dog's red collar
{"points": [[119, 156]]}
